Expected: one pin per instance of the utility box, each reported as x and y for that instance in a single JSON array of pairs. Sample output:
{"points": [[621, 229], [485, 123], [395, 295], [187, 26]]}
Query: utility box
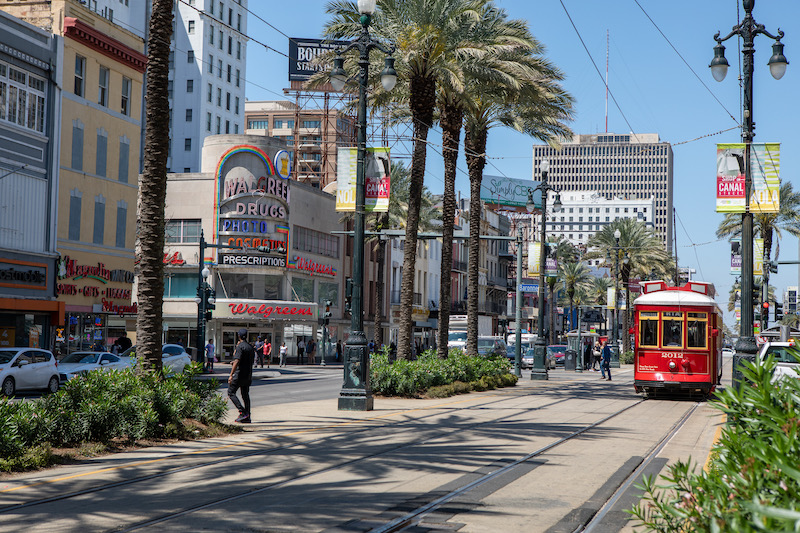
{"points": [[570, 360]]}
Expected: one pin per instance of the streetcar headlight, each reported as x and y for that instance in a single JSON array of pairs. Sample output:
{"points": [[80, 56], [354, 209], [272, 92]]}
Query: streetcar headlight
{"points": [[672, 366]]}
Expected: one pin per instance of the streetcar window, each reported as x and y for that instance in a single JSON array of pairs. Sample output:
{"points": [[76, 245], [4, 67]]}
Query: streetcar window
{"points": [[648, 329], [696, 330], [672, 329]]}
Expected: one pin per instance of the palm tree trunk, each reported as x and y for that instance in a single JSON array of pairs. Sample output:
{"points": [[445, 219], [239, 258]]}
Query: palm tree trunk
{"points": [[379, 284], [153, 191], [474, 148], [553, 309], [450, 119], [422, 102]]}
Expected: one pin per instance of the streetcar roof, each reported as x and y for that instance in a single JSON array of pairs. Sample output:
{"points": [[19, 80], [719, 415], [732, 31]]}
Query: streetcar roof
{"points": [[676, 298]]}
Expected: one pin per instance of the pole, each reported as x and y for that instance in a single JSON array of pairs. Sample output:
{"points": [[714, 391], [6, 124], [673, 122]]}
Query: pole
{"points": [[579, 366], [518, 315], [356, 393], [616, 296], [539, 370], [201, 306]]}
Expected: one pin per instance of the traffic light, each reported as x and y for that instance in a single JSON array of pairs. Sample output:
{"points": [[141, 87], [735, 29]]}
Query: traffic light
{"points": [[211, 299], [348, 295], [764, 315], [778, 311], [326, 314], [773, 266]]}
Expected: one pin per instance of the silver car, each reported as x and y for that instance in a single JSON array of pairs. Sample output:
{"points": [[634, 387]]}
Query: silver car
{"points": [[27, 369], [79, 363]]}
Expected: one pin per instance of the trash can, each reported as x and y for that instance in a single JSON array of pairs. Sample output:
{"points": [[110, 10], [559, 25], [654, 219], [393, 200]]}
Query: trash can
{"points": [[570, 360], [614, 363]]}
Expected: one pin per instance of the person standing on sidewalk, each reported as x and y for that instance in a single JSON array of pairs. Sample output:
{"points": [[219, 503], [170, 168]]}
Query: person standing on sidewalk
{"points": [[242, 376], [210, 357], [282, 354], [596, 354], [259, 348], [301, 348], [311, 350], [267, 353], [605, 364]]}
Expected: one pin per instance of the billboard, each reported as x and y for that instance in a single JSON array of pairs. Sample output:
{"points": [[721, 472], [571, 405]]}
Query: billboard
{"points": [[376, 176], [509, 192], [303, 51], [765, 173]]}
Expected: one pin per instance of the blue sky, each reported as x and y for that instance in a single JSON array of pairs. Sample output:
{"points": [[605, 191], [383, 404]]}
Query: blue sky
{"points": [[655, 89]]}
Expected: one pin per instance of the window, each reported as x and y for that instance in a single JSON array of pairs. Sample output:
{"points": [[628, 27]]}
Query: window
{"points": [[315, 242], [183, 231], [102, 95], [77, 145], [99, 219], [672, 329], [80, 75], [302, 290], [189, 86], [219, 68], [124, 158], [219, 97], [190, 28], [101, 152], [21, 98], [208, 121], [228, 101], [188, 115], [210, 93], [187, 144], [219, 125], [696, 330], [221, 39], [180, 285], [227, 126], [190, 56], [258, 124], [239, 22], [648, 328], [210, 63], [236, 106], [126, 96], [238, 49], [312, 123], [74, 231], [122, 222], [211, 31], [237, 77], [230, 45], [229, 73]]}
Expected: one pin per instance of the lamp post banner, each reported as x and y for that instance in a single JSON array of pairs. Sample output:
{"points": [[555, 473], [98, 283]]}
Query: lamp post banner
{"points": [[376, 177], [534, 258], [765, 172], [611, 298], [551, 260], [736, 256], [758, 257]]}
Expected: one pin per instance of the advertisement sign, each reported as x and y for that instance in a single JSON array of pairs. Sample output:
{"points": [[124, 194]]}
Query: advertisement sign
{"points": [[376, 178], [265, 309], [302, 52], [611, 298], [509, 192], [550, 260], [736, 256], [758, 257], [765, 173], [534, 258], [252, 207], [23, 274]]}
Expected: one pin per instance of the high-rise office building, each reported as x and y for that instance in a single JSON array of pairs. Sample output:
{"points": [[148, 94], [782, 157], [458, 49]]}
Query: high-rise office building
{"points": [[206, 77], [625, 167]]}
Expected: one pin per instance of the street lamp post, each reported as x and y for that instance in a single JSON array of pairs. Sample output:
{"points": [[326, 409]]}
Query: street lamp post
{"points": [[518, 314], [356, 393], [748, 29], [615, 333], [539, 370], [205, 299]]}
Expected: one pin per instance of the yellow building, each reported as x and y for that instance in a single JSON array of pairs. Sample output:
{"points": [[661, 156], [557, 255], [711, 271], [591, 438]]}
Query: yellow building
{"points": [[102, 77]]}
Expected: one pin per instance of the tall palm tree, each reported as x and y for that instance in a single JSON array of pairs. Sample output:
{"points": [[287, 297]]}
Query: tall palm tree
{"points": [[598, 293], [565, 252], [421, 30], [153, 190], [576, 276], [639, 249], [533, 103]]}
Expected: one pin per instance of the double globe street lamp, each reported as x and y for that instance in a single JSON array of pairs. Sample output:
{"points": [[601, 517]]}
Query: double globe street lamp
{"points": [[356, 393], [748, 29]]}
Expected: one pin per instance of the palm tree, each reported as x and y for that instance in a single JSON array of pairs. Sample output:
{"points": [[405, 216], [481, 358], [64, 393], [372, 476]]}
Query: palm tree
{"points": [[422, 31], [598, 292], [532, 102], [565, 252], [576, 276], [153, 191], [643, 251]]}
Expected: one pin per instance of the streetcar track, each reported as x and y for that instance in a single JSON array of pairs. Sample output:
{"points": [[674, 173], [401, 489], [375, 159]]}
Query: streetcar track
{"points": [[238, 457]]}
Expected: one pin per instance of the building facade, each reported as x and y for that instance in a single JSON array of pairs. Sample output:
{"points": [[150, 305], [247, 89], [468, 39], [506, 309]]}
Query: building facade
{"points": [[627, 167], [208, 55], [30, 98], [313, 136], [244, 199]]}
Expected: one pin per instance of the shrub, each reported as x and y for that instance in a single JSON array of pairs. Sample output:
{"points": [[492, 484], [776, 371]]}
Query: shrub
{"points": [[753, 479], [626, 358]]}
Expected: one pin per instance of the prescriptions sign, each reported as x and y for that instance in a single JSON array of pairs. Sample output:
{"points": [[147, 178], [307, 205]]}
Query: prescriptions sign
{"points": [[252, 205]]}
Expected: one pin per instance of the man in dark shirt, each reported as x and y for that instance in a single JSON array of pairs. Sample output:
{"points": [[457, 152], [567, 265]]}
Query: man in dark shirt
{"points": [[241, 376]]}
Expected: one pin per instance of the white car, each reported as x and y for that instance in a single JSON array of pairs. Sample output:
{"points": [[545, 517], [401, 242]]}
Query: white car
{"points": [[456, 339], [79, 363], [727, 352], [27, 369], [787, 358], [173, 357]]}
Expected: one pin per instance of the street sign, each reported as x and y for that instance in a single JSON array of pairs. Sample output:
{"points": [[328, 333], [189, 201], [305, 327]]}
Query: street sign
{"points": [[529, 287]]}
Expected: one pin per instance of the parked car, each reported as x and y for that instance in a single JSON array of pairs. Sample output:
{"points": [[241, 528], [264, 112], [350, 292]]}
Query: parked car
{"points": [[491, 345], [79, 363], [727, 352], [557, 352], [27, 369], [787, 358], [173, 357], [456, 339], [526, 353]]}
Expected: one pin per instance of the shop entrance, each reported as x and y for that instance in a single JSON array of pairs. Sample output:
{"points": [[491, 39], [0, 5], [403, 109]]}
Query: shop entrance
{"points": [[268, 332]]}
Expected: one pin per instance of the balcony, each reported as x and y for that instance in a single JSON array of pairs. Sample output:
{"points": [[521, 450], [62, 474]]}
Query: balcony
{"points": [[395, 297], [460, 266], [494, 308]]}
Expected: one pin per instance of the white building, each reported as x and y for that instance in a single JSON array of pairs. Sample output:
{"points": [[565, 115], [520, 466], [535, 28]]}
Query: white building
{"points": [[129, 14], [207, 77], [629, 167]]}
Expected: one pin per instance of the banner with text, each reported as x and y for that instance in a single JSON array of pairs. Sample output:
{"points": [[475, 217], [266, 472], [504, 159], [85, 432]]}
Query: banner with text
{"points": [[758, 257], [736, 256], [534, 258], [376, 178], [765, 173]]}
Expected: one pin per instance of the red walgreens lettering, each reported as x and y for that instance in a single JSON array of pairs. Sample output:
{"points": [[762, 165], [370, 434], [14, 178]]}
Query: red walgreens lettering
{"points": [[265, 310]]}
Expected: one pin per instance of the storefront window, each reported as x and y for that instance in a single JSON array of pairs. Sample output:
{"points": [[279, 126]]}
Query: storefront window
{"points": [[302, 290], [329, 291], [180, 285], [250, 286], [24, 330]]}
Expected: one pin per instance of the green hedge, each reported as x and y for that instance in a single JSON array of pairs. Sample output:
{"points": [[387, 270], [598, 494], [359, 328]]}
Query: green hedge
{"points": [[753, 478], [102, 406], [412, 378]]}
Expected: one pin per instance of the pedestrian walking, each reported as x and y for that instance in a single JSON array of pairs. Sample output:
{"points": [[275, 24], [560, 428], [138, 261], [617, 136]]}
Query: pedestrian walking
{"points": [[338, 351], [283, 350], [259, 348], [242, 376], [301, 348], [210, 355], [587, 356], [267, 353], [311, 351], [605, 364]]}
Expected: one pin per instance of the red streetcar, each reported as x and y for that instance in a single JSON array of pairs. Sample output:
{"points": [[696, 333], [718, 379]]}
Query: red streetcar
{"points": [[678, 346]]}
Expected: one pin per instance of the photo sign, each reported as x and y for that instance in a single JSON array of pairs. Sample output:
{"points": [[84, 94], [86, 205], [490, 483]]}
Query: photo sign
{"points": [[376, 176], [765, 173]]}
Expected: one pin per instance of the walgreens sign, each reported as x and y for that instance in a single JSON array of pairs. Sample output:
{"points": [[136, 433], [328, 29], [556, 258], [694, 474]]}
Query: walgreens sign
{"points": [[265, 309]]}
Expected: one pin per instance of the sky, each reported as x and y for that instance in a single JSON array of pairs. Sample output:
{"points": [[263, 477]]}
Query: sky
{"points": [[659, 77]]}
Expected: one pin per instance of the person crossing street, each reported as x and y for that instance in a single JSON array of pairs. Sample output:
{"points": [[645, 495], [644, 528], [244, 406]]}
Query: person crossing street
{"points": [[242, 376]]}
